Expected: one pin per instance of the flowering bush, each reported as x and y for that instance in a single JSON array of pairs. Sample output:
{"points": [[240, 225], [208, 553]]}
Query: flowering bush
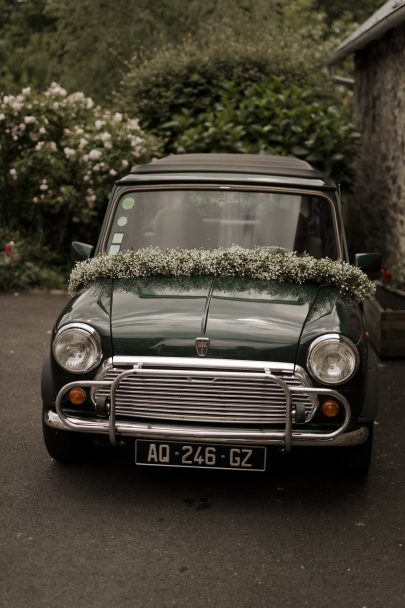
{"points": [[260, 263], [59, 156]]}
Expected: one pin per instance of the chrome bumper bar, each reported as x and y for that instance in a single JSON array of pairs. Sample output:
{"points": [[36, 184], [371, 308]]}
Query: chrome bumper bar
{"points": [[285, 437], [183, 433]]}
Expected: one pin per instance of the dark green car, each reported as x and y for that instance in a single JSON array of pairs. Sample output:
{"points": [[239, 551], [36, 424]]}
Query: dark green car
{"points": [[221, 369]]}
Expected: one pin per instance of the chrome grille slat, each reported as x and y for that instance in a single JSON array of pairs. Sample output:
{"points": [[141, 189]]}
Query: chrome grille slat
{"points": [[203, 399]]}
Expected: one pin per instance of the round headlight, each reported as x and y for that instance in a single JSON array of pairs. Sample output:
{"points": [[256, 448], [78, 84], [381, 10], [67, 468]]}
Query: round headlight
{"points": [[77, 348], [333, 359]]}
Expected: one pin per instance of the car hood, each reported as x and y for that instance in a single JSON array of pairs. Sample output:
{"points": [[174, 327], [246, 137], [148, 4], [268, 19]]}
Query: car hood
{"points": [[243, 318]]}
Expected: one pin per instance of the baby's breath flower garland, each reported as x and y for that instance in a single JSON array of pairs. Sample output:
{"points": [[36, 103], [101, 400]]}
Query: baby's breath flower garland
{"points": [[260, 263]]}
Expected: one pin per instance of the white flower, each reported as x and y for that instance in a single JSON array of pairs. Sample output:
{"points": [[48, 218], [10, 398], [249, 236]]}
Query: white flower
{"points": [[22, 127], [55, 90], [94, 154], [113, 172], [117, 117], [77, 96], [105, 136], [35, 199], [2, 116], [29, 120], [43, 186], [82, 143], [52, 146], [13, 173], [133, 124], [42, 130], [26, 91], [99, 124], [89, 103], [124, 163], [69, 152], [39, 145]]}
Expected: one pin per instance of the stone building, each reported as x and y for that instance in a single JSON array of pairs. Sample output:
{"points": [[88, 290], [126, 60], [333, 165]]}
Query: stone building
{"points": [[377, 210]]}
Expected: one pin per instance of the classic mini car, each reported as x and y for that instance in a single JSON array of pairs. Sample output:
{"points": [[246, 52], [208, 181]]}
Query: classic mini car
{"points": [[216, 321]]}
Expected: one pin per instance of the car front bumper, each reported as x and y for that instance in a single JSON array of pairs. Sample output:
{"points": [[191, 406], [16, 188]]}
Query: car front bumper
{"points": [[284, 435]]}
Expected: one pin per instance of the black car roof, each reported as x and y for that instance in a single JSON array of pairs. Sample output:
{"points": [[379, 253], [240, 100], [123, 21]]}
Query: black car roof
{"points": [[230, 165]]}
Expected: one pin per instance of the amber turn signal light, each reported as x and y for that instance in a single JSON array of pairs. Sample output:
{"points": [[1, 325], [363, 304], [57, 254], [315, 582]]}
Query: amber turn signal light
{"points": [[77, 396], [330, 408]]}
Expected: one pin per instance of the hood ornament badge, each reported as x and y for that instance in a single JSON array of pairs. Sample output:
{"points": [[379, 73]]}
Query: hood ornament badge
{"points": [[202, 345]]}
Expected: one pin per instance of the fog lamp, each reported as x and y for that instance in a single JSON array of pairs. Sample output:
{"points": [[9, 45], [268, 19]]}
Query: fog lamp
{"points": [[330, 408], [77, 396]]}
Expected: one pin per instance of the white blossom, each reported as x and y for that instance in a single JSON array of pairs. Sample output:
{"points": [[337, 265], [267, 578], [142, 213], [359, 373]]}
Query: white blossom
{"points": [[69, 152], [2, 116], [29, 120], [113, 172], [117, 117], [234, 262], [94, 154], [55, 90], [13, 173], [124, 163], [99, 124], [43, 186]]}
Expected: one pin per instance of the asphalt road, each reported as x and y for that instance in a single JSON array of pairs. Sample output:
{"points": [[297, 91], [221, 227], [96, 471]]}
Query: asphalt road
{"points": [[108, 534]]}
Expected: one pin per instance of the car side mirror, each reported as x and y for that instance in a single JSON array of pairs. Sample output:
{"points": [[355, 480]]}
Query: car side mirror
{"points": [[80, 251], [370, 263]]}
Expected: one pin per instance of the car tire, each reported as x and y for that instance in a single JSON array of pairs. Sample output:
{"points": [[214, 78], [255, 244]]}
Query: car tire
{"points": [[356, 460], [65, 446]]}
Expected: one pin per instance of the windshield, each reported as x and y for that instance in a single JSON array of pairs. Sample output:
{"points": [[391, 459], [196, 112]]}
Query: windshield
{"points": [[209, 219]]}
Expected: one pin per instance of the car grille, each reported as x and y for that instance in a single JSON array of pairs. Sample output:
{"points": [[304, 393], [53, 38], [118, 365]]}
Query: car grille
{"points": [[210, 399]]}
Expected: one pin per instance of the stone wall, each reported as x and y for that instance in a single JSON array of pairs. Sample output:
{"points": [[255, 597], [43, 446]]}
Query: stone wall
{"points": [[377, 215]]}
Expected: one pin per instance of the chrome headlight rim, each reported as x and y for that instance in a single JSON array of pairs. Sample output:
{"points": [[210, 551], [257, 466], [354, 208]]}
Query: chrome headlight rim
{"points": [[94, 335], [333, 338]]}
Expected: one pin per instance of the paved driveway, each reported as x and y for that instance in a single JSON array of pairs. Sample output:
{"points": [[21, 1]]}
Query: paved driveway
{"points": [[106, 534]]}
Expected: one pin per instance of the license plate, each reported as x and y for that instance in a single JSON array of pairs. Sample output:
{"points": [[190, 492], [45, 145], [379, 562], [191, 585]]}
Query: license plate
{"points": [[200, 456]]}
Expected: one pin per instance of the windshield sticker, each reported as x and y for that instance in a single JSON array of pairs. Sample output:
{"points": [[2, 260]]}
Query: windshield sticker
{"points": [[117, 238], [128, 203], [114, 249], [122, 221]]}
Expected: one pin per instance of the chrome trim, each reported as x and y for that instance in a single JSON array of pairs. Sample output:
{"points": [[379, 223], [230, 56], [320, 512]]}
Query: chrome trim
{"points": [[216, 186], [176, 433], [280, 437], [90, 330], [338, 338], [297, 373], [209, 363]]}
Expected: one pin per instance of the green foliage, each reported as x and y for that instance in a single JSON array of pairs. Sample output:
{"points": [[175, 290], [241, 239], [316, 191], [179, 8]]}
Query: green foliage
{"points": [[347, 9], [24, 52], [263, 94], [87, 44], [27, 264], [59, 156], [275, 118], [198, 75]]}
